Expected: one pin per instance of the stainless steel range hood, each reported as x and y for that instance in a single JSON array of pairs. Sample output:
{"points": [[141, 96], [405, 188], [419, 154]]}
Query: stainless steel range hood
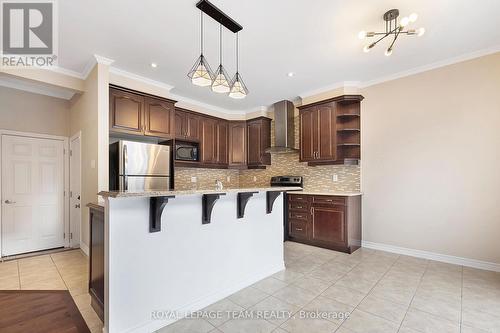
{"points": [[284, 128]]}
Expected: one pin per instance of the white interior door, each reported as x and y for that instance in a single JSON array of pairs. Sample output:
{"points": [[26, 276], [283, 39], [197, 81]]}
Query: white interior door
{"points": [[32, 194], [75, 192]]}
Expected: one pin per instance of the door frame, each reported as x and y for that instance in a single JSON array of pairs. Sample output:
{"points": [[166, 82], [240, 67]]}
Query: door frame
{"points": [[65, 176], [77, 135]]}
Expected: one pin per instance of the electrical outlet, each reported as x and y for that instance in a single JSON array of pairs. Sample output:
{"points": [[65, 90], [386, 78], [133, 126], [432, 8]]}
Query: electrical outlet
{"points": [[254, 179], [92, 164], [228, 179], [335, 177], [194, 179]]}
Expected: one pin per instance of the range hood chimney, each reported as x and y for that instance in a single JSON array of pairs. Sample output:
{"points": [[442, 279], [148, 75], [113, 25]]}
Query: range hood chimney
{"points": [[284, 128]]}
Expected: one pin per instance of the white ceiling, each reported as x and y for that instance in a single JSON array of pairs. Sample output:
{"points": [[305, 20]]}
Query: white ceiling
{"points": [[316, 39]]}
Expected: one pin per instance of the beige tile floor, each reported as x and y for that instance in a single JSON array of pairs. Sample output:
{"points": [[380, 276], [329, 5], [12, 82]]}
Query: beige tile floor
{"points": [[63, 270], [382, 292]]}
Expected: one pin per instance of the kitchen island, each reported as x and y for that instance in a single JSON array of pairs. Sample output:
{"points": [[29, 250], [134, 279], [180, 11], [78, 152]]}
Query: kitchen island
{"points": [[168, 253]]}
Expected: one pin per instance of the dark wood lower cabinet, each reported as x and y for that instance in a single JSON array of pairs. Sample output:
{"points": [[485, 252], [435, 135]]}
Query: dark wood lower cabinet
{"points": [[96, 271], [332, 222]]}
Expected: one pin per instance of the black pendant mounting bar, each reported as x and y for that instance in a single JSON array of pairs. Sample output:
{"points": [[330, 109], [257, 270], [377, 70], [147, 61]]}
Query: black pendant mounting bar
{"points": [[156, 206], [243, 198], [218, 15]]}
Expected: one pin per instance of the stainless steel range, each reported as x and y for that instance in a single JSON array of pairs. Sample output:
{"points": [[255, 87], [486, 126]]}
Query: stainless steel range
{"points": [[287, 181]]}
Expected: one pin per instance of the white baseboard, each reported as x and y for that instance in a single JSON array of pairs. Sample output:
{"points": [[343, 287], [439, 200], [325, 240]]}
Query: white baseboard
{"points": [[203, 302], [84, 248], [490, 266]]}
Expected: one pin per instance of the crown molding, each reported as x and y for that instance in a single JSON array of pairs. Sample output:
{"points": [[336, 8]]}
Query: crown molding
{"points": [[435, 65], [103, 60], [143, 79], [38, 89], [64, 71], [399, 75], [337, 85], [189, 103]]}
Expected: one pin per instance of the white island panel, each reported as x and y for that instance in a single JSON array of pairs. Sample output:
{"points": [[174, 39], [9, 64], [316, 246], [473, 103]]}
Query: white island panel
{"points": [[187, 265]]}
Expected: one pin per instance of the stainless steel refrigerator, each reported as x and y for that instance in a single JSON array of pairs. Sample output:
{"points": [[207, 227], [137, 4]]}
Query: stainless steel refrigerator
{"points": [[137, 166]]}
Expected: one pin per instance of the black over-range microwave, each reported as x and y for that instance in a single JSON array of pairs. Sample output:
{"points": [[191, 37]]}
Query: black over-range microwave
{"points": [[186, 151]]}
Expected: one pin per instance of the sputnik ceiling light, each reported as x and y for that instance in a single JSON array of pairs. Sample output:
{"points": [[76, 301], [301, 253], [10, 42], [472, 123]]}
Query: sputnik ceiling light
{"points": [[201, 74], [393, 28]]}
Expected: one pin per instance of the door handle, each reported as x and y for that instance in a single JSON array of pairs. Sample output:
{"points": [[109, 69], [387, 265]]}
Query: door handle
{"points": [[77, 206], [9, 202]]}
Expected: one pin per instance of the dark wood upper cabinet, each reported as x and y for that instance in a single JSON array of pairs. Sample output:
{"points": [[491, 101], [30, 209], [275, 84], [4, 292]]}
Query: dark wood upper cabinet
{"points": [[222, 142], [330, 131], [307, 144], [186, 125], [126, 112], [133, 113], [159, 118], [258, 140], [208, 144], [326, 134], [237, 144]]}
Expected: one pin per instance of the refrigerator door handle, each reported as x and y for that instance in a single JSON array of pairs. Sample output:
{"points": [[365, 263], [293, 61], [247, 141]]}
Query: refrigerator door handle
{"points": [[125, 161]]}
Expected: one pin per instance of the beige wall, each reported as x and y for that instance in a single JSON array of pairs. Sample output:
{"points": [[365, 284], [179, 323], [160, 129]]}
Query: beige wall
{"points": [[431, 161], [84, 118], [28, 112]]}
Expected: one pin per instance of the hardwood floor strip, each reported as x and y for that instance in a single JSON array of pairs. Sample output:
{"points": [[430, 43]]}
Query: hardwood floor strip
{"points": [[51, 311]]}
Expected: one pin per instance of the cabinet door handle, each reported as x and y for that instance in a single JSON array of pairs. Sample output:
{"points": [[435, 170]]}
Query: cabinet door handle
{"points": [[298, 229], [299, 207], [299, 216], [312, 210]]}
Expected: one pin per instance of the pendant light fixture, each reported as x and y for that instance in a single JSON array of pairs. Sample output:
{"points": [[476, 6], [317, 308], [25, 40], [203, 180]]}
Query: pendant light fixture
{"points": [[201, 74], [238, 89], [221, 83]]}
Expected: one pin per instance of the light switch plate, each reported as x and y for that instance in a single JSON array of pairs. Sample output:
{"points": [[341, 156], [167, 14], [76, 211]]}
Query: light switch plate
{"points": [[194, 179], [335, 177]]}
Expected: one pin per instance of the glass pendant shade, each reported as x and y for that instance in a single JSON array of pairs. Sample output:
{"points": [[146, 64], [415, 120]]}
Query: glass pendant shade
{"points": [[201, 74], [221, 83], [238, 90]]}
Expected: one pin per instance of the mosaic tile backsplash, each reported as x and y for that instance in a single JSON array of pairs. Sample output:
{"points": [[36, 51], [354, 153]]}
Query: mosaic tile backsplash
{"points": [[317, 178], [205, 178]]}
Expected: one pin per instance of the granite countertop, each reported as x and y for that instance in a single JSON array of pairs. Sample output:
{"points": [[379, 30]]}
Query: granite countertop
{"points": [[147, 194], [333, 193]]}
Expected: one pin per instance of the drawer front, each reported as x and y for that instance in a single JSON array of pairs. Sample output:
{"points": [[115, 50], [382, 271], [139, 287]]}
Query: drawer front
{"points": [[298, 206], [298, 197], [297, 229], [326, 200], [298, 215]]}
